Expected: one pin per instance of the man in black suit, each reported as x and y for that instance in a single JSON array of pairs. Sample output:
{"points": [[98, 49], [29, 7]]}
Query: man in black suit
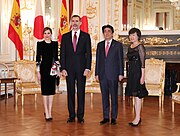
{"points": [[108, 71], [75, 59]]}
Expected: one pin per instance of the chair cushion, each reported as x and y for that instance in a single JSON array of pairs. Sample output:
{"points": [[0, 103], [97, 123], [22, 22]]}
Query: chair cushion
{"points": [[176, 96], [29, 91], [154, 89]]}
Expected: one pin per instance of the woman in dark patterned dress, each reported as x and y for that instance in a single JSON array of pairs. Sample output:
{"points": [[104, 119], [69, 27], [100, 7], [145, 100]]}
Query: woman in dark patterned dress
{"points": [[136, 71], [46, 51]]}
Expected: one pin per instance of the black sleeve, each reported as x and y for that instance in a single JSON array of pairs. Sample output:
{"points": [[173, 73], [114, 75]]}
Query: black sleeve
{"points": [[38, 53], [62, 53], [121, 60], [97, 61], [56, 51], [142, 55], [88, 52]]}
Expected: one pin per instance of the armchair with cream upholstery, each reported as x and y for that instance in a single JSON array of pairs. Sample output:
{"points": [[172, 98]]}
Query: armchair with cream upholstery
{"points": [[155, 78], [25, 71], [176, 97], [91, 85]]}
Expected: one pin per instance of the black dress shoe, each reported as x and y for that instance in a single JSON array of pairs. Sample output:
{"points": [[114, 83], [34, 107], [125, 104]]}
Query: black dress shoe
{"points": [[135, 125], [113, 122], [70, 120], [104, 121], [81, 121]]}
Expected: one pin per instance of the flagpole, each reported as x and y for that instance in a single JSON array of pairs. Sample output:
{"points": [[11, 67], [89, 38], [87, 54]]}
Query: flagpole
{"points": [[16, 55]]}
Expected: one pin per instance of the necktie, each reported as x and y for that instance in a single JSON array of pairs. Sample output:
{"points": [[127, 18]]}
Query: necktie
{"points": [[107, 48], [74, 41]]}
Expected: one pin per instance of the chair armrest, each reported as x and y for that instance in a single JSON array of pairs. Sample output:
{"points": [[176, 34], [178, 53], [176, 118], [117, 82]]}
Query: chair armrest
{"points": [[178, 85], [18, 83]]}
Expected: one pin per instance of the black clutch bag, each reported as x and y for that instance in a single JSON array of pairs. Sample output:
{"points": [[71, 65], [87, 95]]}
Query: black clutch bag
{"points": [[142, 91]]}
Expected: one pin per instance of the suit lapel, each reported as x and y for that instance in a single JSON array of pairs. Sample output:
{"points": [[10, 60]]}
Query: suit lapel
{"points": [[70, 34], [110, 49], [80, 39], [103, 48], [112, 45]]}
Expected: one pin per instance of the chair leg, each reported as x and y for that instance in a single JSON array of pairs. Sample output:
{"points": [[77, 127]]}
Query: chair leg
{"points": [[160, 101], [35, 97], [16, 98], [142, 102], [22, 99], [133, 101], [172, 106], [91, 97]]}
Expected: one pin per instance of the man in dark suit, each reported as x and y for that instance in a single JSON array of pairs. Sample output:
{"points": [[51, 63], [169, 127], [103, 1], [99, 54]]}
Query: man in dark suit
{"points": [[75, 59], [108, 71]]}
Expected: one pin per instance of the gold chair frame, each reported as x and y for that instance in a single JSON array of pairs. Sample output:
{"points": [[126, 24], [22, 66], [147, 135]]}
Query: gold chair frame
{"points": [[155, 78], [176, 96], [25, 71]]}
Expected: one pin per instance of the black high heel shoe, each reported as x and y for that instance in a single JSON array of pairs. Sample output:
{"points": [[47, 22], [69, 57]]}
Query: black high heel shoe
{"points": [[47, 119], [135, 125]]}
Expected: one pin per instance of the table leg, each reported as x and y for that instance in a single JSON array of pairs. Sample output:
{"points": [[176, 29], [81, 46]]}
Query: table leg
{"points": [[14, 93], [5, 92], [0, 90]]}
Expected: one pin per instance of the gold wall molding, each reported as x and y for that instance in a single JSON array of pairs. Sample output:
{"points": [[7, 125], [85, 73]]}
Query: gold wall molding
{"points": [[152, 41], [117, 13], [160, 53]]}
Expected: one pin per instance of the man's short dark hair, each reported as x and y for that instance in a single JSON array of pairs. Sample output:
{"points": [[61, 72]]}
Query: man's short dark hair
{"points": [[76, 16], [135, 30], [108, 26]]}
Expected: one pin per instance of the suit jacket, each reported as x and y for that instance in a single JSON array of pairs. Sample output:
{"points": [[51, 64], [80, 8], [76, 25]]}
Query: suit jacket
{"points": [[111, 66], [79, 60]]}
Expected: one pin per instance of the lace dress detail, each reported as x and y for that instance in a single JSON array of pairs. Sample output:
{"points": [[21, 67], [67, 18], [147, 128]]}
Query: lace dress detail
{"points": [[136, 61]]}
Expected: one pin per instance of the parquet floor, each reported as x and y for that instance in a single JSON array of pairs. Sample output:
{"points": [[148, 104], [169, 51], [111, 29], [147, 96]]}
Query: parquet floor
{"points": [[29, 120]]}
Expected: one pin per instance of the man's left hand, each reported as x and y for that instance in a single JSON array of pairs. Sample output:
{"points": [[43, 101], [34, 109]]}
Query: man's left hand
{"points": [[86, 72], [120, 77]]}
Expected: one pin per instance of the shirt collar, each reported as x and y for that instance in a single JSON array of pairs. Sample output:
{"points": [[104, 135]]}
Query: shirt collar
{"points": [[78, 32], [109, 42]]}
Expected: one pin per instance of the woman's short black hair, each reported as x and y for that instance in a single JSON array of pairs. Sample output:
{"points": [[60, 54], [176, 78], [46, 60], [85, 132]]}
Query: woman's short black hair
{"points": [[135, 30], [108, 26], [47, 28]]}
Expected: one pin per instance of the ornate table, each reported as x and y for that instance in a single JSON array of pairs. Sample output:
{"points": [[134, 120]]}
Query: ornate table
{"points": [[5, 80]]}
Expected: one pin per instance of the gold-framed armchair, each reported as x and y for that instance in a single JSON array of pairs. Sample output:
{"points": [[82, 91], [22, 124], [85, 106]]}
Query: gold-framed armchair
{"points": [[91, 85], [176, 96], [27, 82], [155, 78]]}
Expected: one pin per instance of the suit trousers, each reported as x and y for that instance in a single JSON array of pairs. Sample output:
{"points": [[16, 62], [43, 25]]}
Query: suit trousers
{"points": [[74, 80], [109, 88]]}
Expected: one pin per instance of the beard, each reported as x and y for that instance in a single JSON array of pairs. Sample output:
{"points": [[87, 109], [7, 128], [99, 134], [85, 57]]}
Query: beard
{"points": [[75, 26]]}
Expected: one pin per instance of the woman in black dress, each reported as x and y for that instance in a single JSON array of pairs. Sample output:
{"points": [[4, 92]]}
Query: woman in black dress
{"points": [[46, 51], [136, 60]]}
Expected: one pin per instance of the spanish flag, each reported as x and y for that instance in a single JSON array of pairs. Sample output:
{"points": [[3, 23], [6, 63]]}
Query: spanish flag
{"points": [[15, 28], [64, 25]]}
